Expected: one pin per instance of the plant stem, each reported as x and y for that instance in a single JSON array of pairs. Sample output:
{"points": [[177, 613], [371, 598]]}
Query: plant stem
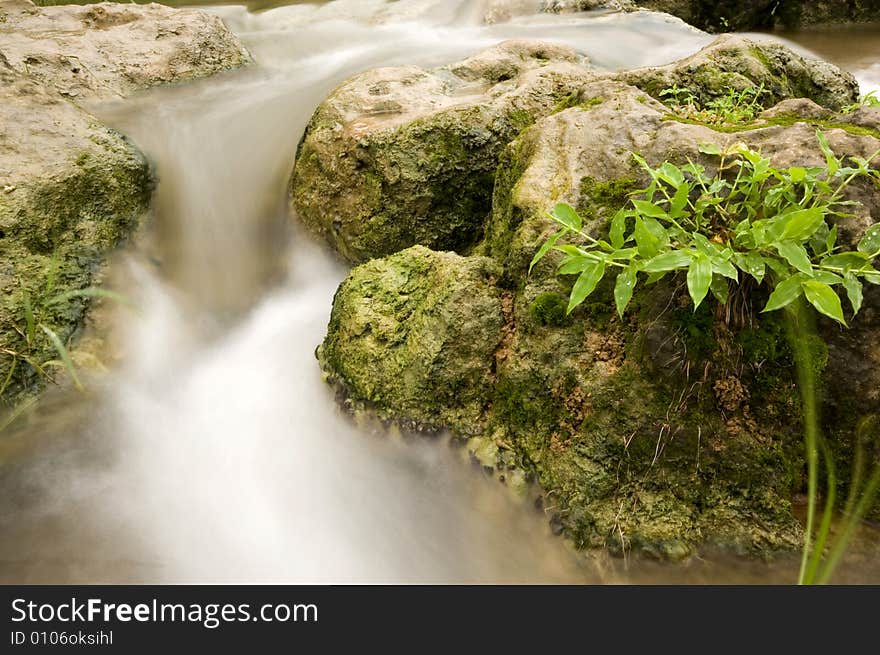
{"points": [[798, 332]]}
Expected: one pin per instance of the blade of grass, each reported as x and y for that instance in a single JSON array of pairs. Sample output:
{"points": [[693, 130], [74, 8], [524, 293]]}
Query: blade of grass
{"points": [[89, 292], [64, 355]]}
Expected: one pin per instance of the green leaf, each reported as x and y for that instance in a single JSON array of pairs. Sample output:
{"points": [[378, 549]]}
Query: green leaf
{"points": [[89, 292], [623, 253], [797, 174], [709, 148], [752, 263], [831, 160], [846, 261], [567, 216], [801, 225], [575, 264], [649, 209], [785, 293], [826, 277], [623, 289], [853, 292], [569, 249], [699, 278], [823, 298], [679, 200], [831, 239], [719, 289], [725, 268], [64, 355], [544, 249], [647, 243], [618, 229], [668, 261], [795, 254], [870, 243], [778, 267], [585, 285], [671, 174]]}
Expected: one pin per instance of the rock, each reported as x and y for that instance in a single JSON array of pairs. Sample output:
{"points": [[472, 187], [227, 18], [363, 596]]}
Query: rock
{"points": [[414, 335], [403, 156], [400, 156], [657, 434], [74, 190], [745, 15], [736, 62], [110, 50], [797, 108]]}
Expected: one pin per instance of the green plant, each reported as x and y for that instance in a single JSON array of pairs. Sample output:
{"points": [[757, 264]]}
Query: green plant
{"points": [[735, 106], [36, 317], [749, 219], [870, 99]]}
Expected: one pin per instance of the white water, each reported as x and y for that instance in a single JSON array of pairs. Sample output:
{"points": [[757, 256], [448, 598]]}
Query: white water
{"points": [[214, 453]]}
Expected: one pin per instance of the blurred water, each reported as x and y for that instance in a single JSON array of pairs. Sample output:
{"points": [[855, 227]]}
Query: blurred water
{"points": [[215, 453]]}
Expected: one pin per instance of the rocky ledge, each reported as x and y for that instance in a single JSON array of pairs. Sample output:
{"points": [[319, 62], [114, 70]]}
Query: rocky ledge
{"points": [[658, 433], [72, 189]]}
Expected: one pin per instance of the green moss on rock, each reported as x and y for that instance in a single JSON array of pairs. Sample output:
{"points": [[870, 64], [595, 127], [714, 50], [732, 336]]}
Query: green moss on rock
{"points": [[415, 335]]}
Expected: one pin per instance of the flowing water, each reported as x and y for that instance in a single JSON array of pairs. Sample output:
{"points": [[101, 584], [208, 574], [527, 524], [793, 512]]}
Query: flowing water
{"points": [[213, 452]]}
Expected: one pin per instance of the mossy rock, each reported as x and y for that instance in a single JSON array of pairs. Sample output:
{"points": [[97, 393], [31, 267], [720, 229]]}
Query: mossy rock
{"points": [[658, 433], [414, 335], [403, 156], [733, 62], [70, 191]]}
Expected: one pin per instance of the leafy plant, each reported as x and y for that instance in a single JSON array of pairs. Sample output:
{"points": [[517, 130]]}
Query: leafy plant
{"points": [[747, 220], [736, 106], [34, 319], [870, 99]]}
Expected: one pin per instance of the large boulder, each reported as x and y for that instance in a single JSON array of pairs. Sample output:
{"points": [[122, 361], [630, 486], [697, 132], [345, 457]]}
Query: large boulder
{"points": [[659, 432], [110, 50], [665, 378], [403, 156]]}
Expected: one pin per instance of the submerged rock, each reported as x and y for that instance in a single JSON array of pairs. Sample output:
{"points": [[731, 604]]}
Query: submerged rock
{"points": [[110, 50], [658, 433], [403, 156]]}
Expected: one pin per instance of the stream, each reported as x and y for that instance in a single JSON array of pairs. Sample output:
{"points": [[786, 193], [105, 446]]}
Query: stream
{"points": [[213, 452]]}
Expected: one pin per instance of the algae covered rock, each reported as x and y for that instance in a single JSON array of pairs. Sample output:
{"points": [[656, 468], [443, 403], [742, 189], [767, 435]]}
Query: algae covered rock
{"points": [[415, 334], [738, 63], [403, 156], [70, 190], [110, 50]]}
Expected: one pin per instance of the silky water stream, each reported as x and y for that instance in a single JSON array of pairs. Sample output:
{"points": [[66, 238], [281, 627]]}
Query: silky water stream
{"points": [[213, 452]]}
